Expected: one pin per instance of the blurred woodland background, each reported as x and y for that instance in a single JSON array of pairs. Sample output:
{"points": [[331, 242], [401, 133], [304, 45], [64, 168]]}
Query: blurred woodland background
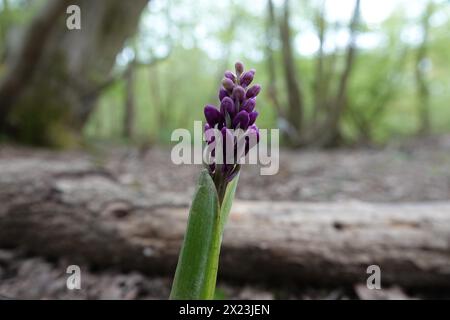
{"points": [[358, 88], [334, 74]]}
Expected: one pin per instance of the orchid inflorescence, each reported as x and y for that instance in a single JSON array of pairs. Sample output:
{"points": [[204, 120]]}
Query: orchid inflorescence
{"points": [[235, 123]]}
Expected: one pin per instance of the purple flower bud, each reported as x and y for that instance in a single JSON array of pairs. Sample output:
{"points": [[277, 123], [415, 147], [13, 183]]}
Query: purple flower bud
{"points": [[252, 117], [230, 75], [239, 66], [228, 84], [252, 138], [222, 93], [247, 78], [227, 105], [238, 93], [212, 115], [253, 91], [249, 105], [241, 120]]}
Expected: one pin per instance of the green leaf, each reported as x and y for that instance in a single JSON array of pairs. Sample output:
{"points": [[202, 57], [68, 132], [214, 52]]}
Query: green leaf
{"points": [[228, 202], [196, 273]]}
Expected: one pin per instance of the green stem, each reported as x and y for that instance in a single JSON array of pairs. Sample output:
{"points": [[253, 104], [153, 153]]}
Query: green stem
{"points": [[196, 273]]}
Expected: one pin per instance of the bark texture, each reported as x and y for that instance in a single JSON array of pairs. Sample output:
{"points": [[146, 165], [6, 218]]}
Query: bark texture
{"points": [[70, 208], [51, 80]]}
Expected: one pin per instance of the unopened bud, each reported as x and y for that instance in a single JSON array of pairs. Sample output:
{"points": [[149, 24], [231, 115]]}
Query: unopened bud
{"points": [[238, 93], [227, 84], [253, 91], [241, 120], [222, 93], [239, 66], [227, 106], [230, 75], [249, 104], [247, 78]]}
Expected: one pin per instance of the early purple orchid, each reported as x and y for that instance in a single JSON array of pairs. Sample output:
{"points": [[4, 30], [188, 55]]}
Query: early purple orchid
{"points": [[230, 133], [236, 114]]}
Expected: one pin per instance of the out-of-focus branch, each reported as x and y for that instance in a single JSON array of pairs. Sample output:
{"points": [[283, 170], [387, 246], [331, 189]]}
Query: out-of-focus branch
{"points": [[122, 74]]}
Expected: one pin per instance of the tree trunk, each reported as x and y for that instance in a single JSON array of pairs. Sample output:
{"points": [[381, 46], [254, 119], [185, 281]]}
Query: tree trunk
{"points": [[294, 92], [50, 86], [67, 207], [320, 92], [271, 70], [128, 121], [288, 130]]}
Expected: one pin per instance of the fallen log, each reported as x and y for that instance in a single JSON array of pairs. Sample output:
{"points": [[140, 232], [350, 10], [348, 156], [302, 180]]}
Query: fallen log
{"points": [[70, 208]]}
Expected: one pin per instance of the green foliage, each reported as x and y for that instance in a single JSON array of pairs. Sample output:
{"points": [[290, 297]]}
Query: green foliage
{"points": [[220, 294]]}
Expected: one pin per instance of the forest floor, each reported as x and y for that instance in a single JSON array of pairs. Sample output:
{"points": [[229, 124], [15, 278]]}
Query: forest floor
{"points": [[413, 171]]}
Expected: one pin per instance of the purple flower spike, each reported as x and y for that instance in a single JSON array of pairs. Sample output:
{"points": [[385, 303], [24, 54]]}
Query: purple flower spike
{"points": [[249, 105], [247, 78], [222, 93], [238, 93], [253, 91], [228, 84], [212, 115], [227, 105], [241, 120], [237, 111], [230, 75], [252, 117]]}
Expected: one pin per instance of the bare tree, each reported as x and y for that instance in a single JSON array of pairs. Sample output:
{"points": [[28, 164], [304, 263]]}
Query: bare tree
{"points": [[328, 106], [331, 133]]}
